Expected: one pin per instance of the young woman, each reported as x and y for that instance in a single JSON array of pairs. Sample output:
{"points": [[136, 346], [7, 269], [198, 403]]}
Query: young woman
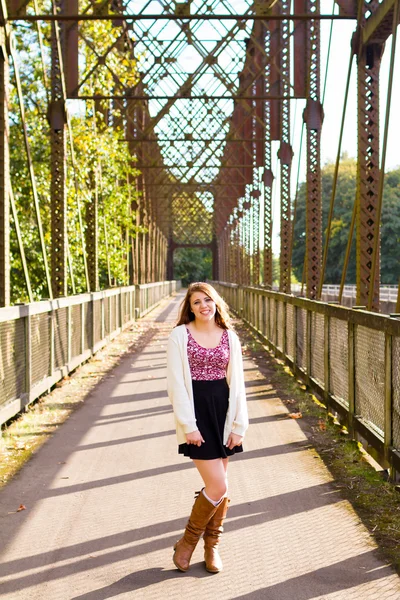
{"points": [[206, 388]]}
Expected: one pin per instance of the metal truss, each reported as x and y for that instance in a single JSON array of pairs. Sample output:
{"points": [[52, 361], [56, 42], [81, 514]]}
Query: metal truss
{"points": [[368, 171], [199, 92], [4, 177], [285, 156], [313, 116]]}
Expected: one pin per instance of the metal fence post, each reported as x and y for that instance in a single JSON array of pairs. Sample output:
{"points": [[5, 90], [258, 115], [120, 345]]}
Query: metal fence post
{"points": [[327, 378], [28, 358], [110, 311], [69, 333], [93, 335], [82, 345], [351, 375], [388, 437], [122, 298], [284, 326], [308, 346], [52, 339], [295, 311], [264, 315], [103, 320]]}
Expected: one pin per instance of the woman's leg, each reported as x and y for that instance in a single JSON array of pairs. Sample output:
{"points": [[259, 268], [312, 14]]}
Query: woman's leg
{"points": [[203, 510], [214, 475]]}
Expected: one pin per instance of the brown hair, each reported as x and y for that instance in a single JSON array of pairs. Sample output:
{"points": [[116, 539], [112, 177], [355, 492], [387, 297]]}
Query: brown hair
{"points": [[222, 317]]}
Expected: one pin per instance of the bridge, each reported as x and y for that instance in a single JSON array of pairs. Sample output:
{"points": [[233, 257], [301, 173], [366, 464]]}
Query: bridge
{"points": [[132, 132]]}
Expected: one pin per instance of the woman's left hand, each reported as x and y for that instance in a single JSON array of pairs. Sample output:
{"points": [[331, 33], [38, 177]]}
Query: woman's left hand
{"points": [[234, 440]]}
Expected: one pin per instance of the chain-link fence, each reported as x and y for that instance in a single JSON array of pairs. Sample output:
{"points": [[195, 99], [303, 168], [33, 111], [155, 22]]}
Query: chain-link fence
{"points": [[41, 342], [348, 356]]}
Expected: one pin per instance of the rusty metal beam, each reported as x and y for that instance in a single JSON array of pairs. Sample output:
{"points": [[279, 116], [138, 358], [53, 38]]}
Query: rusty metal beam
{"points": [[347, 7], [70, 47], [285, 157], [369, 62], [300, 56], [378, 27], [5, 291], [275, 74], [172, 17], [58, 142], [180, 97], [92, 235], [313, 117]]}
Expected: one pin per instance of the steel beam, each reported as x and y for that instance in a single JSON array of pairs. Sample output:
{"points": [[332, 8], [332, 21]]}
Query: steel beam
{"points": [[17, 8], [275, 74], [180, 96], [70, 48], [268, 176], [378, 27], [172, 17], [285, 157], [92, 235], [300, 56], [5, 291], [313, 117], [369, 62], [58, 137]]}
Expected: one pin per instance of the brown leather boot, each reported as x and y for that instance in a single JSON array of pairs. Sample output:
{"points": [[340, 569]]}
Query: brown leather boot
{"points": [[202, 512], [212, 537]]}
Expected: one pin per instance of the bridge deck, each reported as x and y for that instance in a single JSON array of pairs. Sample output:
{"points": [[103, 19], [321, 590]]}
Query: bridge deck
{"points": [[108, 495]]}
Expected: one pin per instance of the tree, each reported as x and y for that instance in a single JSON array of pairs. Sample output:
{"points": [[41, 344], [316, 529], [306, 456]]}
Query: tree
{"points": [[100, 157], [192, 264], [340, 227]]}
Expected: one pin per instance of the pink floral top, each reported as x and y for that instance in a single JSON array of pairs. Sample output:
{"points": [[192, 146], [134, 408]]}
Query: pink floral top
{"points": [[208, 363]]}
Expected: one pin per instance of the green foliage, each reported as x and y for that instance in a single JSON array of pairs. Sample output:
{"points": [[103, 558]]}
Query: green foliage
{"points": [[192, 264], [343, 209], [104, 163], [104, 168]]}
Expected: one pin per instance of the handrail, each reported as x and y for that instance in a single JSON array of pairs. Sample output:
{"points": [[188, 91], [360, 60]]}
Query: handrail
{"points": [[349, 356], [41, 342]]}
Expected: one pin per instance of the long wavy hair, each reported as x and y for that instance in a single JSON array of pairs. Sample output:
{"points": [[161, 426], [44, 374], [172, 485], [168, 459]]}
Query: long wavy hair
{"points": [[222, 317]]}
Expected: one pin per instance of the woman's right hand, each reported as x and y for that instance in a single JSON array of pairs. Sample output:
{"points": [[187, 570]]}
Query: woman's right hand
{"points": [[195, 438]]}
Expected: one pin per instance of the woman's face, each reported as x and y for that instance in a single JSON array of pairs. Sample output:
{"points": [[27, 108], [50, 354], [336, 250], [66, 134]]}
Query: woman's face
{"points": [[203, 307]]}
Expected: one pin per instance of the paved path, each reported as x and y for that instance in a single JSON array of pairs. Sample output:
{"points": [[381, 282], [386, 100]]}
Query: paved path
{"points": [[108, 495]]}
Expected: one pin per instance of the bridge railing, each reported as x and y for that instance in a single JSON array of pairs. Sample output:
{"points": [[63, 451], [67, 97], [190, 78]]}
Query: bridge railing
{"points": [[350, 357], [42, 342]]}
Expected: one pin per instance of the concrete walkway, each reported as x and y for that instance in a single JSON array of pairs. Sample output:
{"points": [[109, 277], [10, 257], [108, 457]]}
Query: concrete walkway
{"points": [[108, 495]]}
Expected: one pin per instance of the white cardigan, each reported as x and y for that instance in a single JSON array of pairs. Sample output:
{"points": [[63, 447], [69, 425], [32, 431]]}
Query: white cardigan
{"points": [[180, 392]]}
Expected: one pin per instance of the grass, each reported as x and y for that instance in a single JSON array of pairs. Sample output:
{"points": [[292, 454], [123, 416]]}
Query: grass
{"points": [[376, 501]]}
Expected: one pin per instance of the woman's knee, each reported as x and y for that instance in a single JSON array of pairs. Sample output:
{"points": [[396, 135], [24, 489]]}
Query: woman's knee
{"points": [[218, 488]]}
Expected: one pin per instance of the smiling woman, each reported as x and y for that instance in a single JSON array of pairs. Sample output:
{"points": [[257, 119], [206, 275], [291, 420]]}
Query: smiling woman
{"points": [[206, 387]]}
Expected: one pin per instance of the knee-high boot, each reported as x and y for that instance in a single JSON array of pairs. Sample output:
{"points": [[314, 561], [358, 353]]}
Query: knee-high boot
{"points": [[212, 536], [202, 512]]}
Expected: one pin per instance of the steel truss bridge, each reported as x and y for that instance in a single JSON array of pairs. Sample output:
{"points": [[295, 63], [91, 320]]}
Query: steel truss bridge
{"points": [[201, 93]]}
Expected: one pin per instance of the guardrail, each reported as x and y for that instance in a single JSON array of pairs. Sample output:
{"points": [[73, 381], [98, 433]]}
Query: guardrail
{"points": [[350, 357], [42, 342], [330, 293]]}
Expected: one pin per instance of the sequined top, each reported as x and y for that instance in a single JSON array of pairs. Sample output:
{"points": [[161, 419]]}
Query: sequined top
{"points": [[208, 363]]}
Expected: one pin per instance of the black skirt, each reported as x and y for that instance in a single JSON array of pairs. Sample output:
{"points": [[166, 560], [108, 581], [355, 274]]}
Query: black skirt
{"points": [[211, 400]]}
